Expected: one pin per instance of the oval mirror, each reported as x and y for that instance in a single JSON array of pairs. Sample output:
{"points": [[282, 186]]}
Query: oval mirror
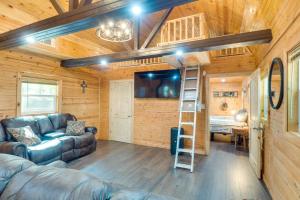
{"points": [[276, 83]]}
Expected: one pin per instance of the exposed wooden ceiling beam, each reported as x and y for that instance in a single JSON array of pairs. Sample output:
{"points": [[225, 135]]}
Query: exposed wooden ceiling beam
{"points": [[223, 42], [84, 2], [81, 19], [136, 34], [156, 28], [73, 4], [57, 6]]}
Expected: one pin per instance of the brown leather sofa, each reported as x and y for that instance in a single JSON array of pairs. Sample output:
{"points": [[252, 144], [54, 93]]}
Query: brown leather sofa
{"points": [[21, 179], [55, 144]]}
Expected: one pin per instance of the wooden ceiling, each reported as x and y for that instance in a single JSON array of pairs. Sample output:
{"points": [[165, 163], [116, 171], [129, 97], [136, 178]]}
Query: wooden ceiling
{"points": [[223, 17], [229, 79]]}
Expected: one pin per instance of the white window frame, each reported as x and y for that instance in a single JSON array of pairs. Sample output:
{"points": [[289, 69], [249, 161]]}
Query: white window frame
{"points": [[292, 57], [42, 80]]}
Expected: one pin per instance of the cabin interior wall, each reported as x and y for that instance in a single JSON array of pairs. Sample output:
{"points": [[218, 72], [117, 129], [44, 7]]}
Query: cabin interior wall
{"points": [[281, 149], [85, 106], [234, 103]]}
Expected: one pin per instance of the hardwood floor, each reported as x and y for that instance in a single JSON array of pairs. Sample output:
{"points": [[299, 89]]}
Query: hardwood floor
{"points": [[224, 174]]}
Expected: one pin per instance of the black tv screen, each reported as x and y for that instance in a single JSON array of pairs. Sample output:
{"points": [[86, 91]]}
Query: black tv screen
{"points": [[157, 84]]}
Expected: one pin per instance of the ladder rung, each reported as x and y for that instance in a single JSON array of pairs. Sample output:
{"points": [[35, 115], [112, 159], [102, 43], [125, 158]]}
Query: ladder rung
{"points": [[190, 88], [191, 78], [185, 166], [188, 111], [185, 150], [188, 123], [186, 136], [192, 68], [189, 99]]}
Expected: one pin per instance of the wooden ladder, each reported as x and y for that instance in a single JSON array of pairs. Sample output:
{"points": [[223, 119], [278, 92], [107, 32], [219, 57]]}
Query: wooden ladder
{"points": [[188, 105]]}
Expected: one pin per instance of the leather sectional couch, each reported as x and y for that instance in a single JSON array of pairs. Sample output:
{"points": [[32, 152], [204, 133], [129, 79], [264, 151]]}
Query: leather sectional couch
{"points": [[51, 130], [21, 179]]}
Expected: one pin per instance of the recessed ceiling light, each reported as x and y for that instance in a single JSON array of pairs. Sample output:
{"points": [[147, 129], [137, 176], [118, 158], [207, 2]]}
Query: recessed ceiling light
{"points": [[136, 10], [223, 80], [103, 62], [30, 39], [179, 53]]}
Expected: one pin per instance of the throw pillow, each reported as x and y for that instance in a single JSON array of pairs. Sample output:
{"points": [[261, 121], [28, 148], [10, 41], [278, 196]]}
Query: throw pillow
{"points": [[24, 135], [75, 128]]}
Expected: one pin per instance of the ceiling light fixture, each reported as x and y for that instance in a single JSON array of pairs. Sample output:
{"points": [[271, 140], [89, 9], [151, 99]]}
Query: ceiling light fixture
{"points": [[115, 31], [30, 39], [223, 80], [103, 62], [136, 10], [179, 53]]}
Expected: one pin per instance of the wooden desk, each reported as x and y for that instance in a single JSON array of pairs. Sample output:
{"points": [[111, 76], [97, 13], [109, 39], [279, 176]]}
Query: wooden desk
{"points": [[243, 132]]}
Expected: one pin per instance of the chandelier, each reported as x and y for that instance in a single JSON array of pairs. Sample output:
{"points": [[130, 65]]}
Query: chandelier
{"points": [[115, 31]]}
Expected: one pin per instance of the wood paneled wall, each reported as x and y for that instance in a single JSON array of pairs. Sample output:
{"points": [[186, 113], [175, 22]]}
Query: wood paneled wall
{"points": [[153, 118], [84, 105], [281, 149], [234, 103]]}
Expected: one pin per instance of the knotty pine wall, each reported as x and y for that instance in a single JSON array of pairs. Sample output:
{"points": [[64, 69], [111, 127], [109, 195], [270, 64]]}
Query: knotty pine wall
{"points": [[282, 149], [234, 103], [153, 118], [83, 106]]}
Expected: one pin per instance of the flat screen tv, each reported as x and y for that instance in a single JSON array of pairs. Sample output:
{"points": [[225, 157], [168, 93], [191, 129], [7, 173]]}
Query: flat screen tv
{"points": [[157, 84]]}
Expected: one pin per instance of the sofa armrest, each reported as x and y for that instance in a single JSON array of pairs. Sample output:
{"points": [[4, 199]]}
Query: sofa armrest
{"points": [[14, 148], [91, 130]]}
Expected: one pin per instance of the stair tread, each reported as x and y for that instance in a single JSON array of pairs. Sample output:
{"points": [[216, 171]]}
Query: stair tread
{"points": [[186, 166], [186, 136], [187, 123], [188, 111], [185, 150], [190, 88], [191, 78], [191, 68], [194, 99]]}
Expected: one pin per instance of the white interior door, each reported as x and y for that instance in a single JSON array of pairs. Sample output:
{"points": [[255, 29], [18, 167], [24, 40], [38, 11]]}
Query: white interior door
{"points": [[255, 129], [121, 109]]}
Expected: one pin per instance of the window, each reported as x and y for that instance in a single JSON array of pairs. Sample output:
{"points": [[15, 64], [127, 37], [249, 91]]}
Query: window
{"points": [[38, 96], [293, 92], [264, 98]]}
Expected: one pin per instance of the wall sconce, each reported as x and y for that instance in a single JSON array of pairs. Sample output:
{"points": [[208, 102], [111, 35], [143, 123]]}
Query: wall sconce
{"points": [[83, 86]]}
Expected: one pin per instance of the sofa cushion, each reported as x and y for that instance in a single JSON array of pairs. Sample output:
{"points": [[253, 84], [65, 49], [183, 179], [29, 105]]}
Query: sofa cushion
{"points": [[60, 120], [2, 134], [14, 148], [75, 128], [45, 151], [53, 135], [91, 129], [67, 143], [45, 124], [20, 122], [83, 140], [48, 183], [24, 135], [11, 165], [61, 130]]}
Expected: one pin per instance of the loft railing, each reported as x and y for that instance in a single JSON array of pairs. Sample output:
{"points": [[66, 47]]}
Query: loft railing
{"points": [[231, 52], [179, 30], [134, 63], [184, 29]]}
